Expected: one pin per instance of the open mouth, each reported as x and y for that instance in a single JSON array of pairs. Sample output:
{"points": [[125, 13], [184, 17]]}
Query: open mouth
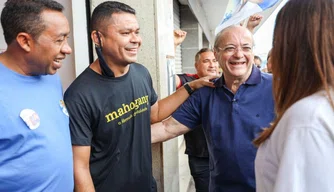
{"points": [[57, 63], [212, 71], [237, 63], [132, 50]]}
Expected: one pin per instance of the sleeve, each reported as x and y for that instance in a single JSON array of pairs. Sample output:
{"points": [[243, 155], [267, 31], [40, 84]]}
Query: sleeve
{"points": [[153, 96], [306, 161], [181, 81], [80, 129], [189, 113]]}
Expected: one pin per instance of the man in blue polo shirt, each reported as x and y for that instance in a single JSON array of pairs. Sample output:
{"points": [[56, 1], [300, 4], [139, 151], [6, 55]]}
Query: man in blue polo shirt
{"points": [[232, 113]]}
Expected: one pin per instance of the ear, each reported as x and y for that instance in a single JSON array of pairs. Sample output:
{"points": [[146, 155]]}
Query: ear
{"points": [[25, 41], [95, 37], [215, 54], [196, 66]]}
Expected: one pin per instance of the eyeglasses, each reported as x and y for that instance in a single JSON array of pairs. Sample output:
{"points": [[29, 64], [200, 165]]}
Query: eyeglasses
{"points": [[232, 50]]}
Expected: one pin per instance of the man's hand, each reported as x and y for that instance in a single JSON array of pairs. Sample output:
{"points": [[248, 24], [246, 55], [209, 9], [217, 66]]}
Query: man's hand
{"points": [[204, 81], [254, 21], [179, 36]]}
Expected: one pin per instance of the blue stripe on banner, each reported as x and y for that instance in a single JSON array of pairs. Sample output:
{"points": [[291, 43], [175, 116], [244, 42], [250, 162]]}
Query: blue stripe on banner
{"points": [[267, 4]]}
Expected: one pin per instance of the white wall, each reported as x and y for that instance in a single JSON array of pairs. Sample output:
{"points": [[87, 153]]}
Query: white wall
{"points": [[67, 71]]}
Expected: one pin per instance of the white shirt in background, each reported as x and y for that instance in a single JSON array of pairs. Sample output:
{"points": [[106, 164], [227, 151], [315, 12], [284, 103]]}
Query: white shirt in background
{"points": [[299, 155]]}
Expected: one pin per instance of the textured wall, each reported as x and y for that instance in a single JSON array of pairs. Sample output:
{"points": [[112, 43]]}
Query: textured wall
{"points": [[193, 42]]}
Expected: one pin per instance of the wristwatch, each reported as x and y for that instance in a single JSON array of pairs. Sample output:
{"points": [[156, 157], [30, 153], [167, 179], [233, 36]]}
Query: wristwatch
{"points": [[188, 88]]}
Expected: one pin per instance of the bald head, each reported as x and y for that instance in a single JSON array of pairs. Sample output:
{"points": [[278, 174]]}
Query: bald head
{"points": [[234, 29]]}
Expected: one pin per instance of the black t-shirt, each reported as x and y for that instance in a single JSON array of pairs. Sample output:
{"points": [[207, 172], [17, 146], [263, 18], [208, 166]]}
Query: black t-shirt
{"points": [[112, 115], [195, 140]]}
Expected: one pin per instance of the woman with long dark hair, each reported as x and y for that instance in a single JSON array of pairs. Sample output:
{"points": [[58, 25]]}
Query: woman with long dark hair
{"points": [[296, 153]]}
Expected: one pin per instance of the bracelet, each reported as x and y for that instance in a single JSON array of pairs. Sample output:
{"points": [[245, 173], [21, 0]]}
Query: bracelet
{"points": [[188, 88]]}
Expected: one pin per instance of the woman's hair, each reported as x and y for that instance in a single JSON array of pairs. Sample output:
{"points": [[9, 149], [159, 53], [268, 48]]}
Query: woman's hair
{"points": [[302, 54]]}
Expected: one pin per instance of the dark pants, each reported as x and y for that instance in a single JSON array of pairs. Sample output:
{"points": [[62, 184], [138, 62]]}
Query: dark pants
{"points": [[154, 185], [199, 169]]}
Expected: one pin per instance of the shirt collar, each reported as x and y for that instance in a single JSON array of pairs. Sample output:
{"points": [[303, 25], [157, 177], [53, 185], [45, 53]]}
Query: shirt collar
{"points": [[254, 78]]}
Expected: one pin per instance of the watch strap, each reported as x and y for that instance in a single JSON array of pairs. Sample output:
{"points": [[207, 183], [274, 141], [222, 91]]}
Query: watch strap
{"points": [[188, 88]]}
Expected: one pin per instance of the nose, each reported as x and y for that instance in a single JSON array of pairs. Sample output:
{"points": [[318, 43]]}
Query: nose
{"points": [[135, 38], [66, 49], [238, 53], [212, 63]]}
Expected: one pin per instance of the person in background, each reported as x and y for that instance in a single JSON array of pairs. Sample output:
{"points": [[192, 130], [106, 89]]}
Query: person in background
{"points": [[231, 114], [179, 37], [196, 147], [112, 105], [257, 61], [268, 68], [296, 151], [35, 143], [253, 22]]}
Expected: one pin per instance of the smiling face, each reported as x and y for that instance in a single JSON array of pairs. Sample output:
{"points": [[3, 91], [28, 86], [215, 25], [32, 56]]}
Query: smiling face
{"points": [[234, 53], [51, 46], [206, 64], [121, 40]]}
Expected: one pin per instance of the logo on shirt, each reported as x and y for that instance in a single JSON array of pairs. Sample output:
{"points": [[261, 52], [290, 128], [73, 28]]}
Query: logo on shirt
{"points": [[63, 107], [31, 118], [126, 108]]}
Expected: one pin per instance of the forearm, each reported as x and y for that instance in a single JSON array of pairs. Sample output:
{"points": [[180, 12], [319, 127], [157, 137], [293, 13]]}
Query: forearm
{"points": [[83, 180], [251, 29], [159, 133], [169, 104], [165, 107], [166, 130]]}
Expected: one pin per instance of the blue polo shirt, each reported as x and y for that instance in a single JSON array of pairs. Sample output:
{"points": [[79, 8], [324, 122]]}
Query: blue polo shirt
{"points": [[231, 122]]}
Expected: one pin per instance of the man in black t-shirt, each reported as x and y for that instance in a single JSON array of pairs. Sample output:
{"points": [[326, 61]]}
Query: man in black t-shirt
{"points": [[111, 106]]}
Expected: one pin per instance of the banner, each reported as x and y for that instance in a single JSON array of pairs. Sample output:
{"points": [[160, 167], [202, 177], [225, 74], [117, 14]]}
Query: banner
{"points": [[239, 10]]}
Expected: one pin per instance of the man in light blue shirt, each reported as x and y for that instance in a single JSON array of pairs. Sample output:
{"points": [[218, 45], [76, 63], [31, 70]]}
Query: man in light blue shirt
{"points": [[35, 144]]}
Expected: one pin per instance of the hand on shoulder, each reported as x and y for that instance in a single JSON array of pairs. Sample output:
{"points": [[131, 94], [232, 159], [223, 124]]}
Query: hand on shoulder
{"points": [[203, 81]]}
